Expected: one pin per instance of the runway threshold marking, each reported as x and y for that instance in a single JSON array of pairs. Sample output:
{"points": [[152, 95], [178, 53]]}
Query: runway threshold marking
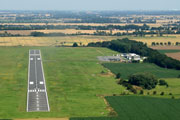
{"points": [[37, 98]]}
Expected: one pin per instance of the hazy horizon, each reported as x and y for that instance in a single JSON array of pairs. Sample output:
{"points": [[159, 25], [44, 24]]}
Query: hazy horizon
{"points": [[85, 5]]}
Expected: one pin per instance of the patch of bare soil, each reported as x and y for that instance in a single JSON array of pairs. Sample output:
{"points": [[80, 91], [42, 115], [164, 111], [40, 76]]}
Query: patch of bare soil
{"points": [[174, 55], [165, 47], [45, 119]]}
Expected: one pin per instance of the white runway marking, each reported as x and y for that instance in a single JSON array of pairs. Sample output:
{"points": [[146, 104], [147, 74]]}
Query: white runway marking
{"points": [[31, 83]]}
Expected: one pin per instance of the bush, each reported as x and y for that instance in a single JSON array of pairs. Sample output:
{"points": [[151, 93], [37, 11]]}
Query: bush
{"points": [[133, 90], [144, 80], [102, 72], [163, 82], [141, 92], [122, 82], [129, 86], [154, 92], [118, 76], [162, 93]]}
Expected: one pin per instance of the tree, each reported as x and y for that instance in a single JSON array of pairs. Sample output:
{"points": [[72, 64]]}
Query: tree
{"points": [[144, 80], [161, 43], [75, 44], [157, 43], [169, 43], [177, 43], [153, 43]]}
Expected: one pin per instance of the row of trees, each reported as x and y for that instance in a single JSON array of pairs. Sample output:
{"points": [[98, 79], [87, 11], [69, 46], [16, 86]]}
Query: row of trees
{"points": [[117, 27], [161, 43], [164, 30], [130, 46]]}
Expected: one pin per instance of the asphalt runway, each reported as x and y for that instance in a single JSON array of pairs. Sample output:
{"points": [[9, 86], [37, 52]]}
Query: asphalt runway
{"points": [[37, 99]]}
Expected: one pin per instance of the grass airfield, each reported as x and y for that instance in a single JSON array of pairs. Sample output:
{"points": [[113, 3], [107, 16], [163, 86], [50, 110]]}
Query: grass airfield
{"points": [[73, 78]]}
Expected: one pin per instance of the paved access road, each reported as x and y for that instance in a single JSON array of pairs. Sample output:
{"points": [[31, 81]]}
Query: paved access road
{"points": [[37, 99]]}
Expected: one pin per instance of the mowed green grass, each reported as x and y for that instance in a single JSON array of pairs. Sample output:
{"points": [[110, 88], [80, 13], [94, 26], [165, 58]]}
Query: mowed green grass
{"points": [[141, 108], [73, 78], [127, 69]]}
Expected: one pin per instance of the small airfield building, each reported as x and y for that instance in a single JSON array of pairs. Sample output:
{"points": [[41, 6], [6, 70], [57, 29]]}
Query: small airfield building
{"points": [[123, 57]]}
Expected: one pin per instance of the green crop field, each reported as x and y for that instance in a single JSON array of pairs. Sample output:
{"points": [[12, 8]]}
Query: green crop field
{"points": [[73, 77], [141, 108], [168, 51], [141, 67], [145, 108]]}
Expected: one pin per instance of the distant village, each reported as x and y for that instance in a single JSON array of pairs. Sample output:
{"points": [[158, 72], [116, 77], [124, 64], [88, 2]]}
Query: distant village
{"points": [[123, 57]]}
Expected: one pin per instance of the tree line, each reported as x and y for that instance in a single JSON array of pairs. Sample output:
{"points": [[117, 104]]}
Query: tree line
{"points": [[164, 43]]}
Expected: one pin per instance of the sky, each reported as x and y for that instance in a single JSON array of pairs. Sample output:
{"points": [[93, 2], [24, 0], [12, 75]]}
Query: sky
{"points": [[89, 5]]}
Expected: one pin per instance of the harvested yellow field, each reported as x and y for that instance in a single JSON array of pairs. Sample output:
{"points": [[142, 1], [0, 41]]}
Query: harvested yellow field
{"points": [[170, 38], [66, 31], [21, 32], [50, 41], [83, 40]]}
